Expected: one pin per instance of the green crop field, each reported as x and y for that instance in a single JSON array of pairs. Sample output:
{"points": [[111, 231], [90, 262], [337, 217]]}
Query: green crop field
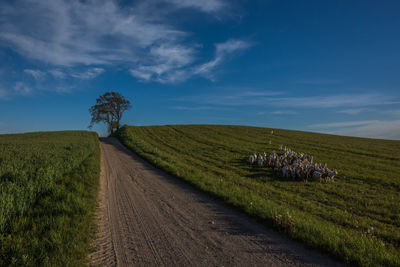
{"points": [[48, 189], [355, 219]]}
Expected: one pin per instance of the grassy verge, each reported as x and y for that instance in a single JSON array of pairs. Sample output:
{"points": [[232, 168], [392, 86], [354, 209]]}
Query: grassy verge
{"points": [[58, 194], [355, 219]]}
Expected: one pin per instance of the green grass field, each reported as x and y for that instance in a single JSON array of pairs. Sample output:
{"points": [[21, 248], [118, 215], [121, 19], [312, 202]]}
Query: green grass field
{"points": [[355, 219], [48, 190]]}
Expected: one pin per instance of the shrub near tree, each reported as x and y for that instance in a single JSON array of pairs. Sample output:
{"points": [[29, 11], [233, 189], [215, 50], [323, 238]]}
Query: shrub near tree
{"points": [[108, 109]]}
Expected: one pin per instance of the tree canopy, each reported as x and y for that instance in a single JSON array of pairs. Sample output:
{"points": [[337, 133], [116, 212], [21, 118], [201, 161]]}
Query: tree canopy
{"points": [[109, 108]]}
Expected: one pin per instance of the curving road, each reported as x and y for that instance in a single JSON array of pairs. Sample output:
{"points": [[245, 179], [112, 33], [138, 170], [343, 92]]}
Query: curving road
{"points": [[147, 217]]}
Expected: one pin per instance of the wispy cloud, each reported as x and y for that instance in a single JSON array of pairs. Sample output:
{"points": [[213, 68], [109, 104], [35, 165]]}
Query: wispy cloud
{"points": [[234, 97], [57, 74], [199, 108], [204, 5], [141, 74], [343, 124], [385, 129], [88, 74], [392, 112], [352, 111], [174, 63], [222, 51], [81, 74], [139, 36], [37, 74], [332, 101], [257, 93], [22, 89], [167, 63], [284, 112], [89, 32], [278, 112], [318, 81]]}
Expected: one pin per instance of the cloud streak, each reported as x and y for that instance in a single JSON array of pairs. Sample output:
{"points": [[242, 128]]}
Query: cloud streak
{"points": [[96, 34], [88, 74], [385, 129], [174, 64], [37, 74], [343, 124], [90, 32], [284, 112], [204, 5], [276, 99], [199, 108], [167, 63], [58, 74], [222, 51], [22, 89], [392, 112], [352, 111]]}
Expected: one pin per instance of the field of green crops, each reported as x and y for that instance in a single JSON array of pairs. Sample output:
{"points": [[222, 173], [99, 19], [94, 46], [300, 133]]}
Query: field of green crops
{"points": [[48, 189], [355, 219]]}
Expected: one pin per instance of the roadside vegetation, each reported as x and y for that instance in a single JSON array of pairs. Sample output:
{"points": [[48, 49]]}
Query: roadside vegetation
{"points": [[355, 219], [48, 194]]}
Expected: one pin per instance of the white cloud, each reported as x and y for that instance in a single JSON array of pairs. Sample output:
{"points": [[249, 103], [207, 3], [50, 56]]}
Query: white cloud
{"points": [[278, 112], [257, 93], [37, 74], [168, 64], [141, 74], [319, 81], [203, 5], [230, 96], [392, 112], [389, 129], [88, 74], [22, 89], [316, 102], [173, 64], [284, 112], [359, 100], [139, 36], [343, 124], [64, 89], [199, 108], [231, 46], [89, 32], [172, 54], [57, 74], [223, 50], [352, 111], [160, 73]]}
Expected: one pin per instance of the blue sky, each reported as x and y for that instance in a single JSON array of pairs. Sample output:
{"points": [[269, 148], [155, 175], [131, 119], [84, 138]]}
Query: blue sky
{"points": [[325, 66]]}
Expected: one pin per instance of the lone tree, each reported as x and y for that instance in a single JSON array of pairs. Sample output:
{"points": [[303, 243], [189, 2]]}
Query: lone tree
{"points": [[109, 108]]}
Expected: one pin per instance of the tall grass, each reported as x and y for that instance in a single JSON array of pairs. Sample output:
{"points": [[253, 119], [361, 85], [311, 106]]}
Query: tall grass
{"points": [[48, 188], [355, 219]]}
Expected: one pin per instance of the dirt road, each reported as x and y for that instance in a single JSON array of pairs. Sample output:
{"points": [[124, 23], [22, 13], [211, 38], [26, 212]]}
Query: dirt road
{"points": [[147, 217]]}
